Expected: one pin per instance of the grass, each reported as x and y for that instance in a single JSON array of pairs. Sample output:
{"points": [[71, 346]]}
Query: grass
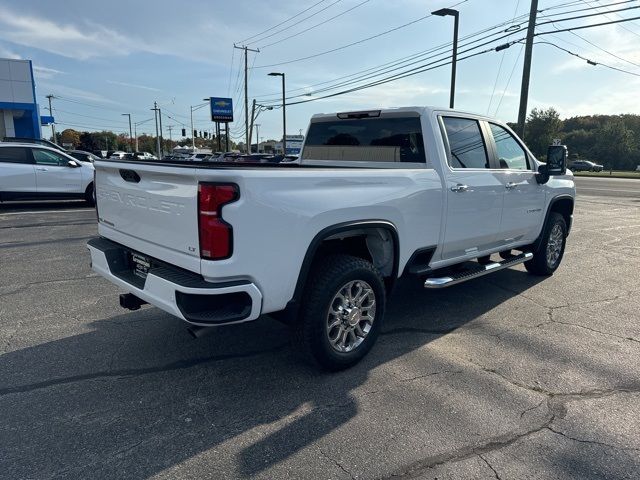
{"points": [[605, 174]]}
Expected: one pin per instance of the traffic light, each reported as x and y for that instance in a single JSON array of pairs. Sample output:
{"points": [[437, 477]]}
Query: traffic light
{"points": [[195, 133], [184, 132]]}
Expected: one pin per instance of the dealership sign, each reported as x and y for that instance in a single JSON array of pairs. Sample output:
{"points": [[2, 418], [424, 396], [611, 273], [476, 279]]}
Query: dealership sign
{"points": [[221, 109]]}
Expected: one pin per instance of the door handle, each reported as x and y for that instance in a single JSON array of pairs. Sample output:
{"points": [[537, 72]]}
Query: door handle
{"points": [[511, 185], [460, 188], [41, 169]]}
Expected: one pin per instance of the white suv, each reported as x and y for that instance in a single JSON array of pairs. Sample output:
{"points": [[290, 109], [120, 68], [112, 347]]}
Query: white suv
{"points": [[29, 171]]}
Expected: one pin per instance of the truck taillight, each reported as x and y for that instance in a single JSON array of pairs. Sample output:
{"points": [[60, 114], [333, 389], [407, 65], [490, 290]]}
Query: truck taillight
{"points": [[216, 235]]}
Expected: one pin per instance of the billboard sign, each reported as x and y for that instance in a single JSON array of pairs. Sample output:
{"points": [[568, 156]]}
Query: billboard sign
{"points": [[294, 144], [221, 109]]}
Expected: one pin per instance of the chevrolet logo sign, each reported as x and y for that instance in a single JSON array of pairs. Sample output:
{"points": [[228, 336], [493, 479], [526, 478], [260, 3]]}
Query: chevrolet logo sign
{"points": [[221, 103]]}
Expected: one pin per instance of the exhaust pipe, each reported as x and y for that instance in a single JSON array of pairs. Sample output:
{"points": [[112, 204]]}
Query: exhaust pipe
{"points": [[198, 332]]}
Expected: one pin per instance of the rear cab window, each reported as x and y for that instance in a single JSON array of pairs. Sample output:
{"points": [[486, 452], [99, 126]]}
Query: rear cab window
{"points": [[14, 155], [366, 137]]}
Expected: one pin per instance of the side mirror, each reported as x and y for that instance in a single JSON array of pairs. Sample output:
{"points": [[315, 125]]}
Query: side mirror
{"points": [[556, 160], [73, 164]]}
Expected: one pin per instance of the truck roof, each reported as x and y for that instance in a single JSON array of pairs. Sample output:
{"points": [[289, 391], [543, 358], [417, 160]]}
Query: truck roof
{"points": [[422, 110]]}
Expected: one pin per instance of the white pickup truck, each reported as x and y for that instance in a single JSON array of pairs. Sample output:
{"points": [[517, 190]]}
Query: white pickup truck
{"points": [[375, 195]]}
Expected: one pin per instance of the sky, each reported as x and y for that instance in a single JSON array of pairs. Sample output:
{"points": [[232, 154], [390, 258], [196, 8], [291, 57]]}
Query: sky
{"points": [[102, 59]]}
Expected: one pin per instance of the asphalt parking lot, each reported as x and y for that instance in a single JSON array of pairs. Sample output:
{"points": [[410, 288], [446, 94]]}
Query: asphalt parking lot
{"points": [[508, 376]]}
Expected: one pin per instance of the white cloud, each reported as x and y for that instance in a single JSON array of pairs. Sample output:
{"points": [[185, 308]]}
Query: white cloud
{"points": [[45, 72], [133, 85], [6, 53]]}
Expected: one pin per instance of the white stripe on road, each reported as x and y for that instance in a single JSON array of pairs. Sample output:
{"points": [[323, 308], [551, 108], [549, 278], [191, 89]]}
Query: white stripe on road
{"points": [[578, 188]]}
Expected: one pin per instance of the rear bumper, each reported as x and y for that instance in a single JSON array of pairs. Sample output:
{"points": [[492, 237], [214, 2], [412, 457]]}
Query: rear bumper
{"points": [[177, 291]]}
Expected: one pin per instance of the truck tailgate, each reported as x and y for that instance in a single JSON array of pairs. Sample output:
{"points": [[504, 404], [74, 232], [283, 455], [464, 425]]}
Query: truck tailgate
{"points": [[150, 208]]}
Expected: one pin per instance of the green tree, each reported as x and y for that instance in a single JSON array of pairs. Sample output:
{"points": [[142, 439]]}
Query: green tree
{"points": [[70, 136], [615, 145], [541, 128]]}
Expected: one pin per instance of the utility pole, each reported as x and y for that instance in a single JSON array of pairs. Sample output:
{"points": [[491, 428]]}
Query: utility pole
{"points": [[53, 127], [526, 70], [135, 134], [284, 113], [246, 91], [170, 128], [130, 132], [155, 113], [160, 121], [253, 113], [257, 138]]}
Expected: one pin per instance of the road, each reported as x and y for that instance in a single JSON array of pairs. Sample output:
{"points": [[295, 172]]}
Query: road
{"points": [[509, 376], [610, 187]]}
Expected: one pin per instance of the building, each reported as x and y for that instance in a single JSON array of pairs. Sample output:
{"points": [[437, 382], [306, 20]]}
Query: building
{"points": [[19, 116]]}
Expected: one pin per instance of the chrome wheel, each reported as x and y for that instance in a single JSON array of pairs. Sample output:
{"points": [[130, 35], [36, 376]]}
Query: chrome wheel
{"points": [[554, 245], [351, 315]]}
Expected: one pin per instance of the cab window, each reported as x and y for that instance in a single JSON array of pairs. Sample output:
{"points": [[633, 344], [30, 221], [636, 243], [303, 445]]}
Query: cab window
{"points": [[14, 155], [466, 143], [510, 154], [45, 157]]}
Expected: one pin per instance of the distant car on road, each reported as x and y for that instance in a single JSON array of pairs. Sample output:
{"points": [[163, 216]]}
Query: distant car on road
{"points": [[585, 166], [118, 155], [83, 156], [29, 172]]}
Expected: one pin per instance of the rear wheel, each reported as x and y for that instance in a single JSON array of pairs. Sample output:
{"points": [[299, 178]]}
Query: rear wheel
{"points": [[341, 313], [546, 259]]}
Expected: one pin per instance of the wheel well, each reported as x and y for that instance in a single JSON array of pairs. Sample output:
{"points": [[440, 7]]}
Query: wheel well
{"points": [[564, 207], [89, 188]]}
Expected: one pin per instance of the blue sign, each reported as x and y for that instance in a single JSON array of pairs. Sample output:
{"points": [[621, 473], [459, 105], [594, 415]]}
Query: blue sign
{"points": [[221, 109], [46, 120]]}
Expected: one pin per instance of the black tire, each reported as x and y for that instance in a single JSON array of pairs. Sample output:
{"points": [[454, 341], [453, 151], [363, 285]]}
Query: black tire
{"points": [[89, 195], [311, 331], [541, 264]]}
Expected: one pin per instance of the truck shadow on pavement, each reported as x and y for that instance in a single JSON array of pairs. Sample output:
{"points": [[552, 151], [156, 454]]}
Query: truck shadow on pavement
{"points": [[136, 396]]}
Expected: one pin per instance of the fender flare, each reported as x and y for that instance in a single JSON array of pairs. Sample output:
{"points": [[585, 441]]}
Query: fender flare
{"points": [[343, 227], [554, 200]]}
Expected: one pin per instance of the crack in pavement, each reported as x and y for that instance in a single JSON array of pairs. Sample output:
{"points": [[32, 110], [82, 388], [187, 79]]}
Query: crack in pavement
{"points": [[489, 465], [133, 372], [594, 442], [338, 464], [556, 403], [21, 287]]}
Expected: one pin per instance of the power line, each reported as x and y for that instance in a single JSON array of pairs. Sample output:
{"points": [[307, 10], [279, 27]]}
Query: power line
{"points": [[593, 45], [315, 55], [589, 61], [589, 26], [495, 84], [282, 23], [617, 15], [300, 21], [515, 64], [586, 16], [316, 25], [89, 116]]}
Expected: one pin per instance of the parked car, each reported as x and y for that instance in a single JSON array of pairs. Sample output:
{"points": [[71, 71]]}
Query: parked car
{"points": [[320, 243], [29, 171], [83, 156], [118, 154], [37, 141], [585, 166], [145, 156]]}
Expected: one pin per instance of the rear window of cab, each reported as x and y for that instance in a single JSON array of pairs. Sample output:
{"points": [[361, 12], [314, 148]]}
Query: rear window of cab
{"points": [[381, 139]]}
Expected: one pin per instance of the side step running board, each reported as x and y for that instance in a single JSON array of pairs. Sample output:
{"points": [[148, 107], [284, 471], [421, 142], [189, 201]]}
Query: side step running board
{"points": [[442, 282]]}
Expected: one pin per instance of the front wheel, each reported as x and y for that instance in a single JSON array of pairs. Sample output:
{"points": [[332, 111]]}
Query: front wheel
{"points": [[546, 259], [341, 313], [90, 195]]}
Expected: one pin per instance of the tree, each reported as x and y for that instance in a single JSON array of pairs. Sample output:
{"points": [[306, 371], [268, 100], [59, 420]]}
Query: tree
{"points": [[70, 136], [541, 128], [615, 145]]}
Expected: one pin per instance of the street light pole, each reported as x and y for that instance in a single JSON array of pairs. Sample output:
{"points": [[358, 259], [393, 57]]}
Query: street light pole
{"points": [[53, 127], [443, 12], [130, 132], [284, 113], [257, 138]]}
